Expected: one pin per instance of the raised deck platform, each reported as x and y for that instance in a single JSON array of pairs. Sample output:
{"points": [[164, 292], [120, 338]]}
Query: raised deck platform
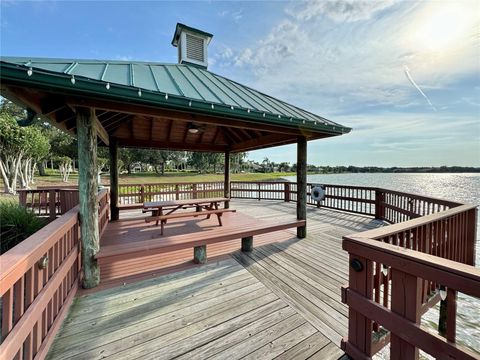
{"points": [[280, 301]]}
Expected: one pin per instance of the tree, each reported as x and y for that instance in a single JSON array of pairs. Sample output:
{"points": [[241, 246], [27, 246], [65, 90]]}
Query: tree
{"points": [[62, 144], [284, 167], [129, 157], [203, 161], [267, 165], [37, 148], [198, 161], [12, 148], [64, 166], [158, 158]]}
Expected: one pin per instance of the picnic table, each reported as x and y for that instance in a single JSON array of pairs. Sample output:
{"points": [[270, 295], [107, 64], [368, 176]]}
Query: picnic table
{"points": [[165, 210]]}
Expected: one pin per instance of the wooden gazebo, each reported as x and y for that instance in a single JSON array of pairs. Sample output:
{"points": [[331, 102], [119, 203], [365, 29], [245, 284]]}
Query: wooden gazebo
{"points": [[152, 105]]}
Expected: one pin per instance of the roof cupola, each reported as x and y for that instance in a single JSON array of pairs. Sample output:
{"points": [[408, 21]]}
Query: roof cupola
{"points": [[192, 45]]}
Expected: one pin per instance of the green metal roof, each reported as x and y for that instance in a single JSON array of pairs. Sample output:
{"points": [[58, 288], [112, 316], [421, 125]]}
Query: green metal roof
{"points": [[183, 87]]}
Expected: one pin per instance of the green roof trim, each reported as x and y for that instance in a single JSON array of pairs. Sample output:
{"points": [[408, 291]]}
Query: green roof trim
{"points": [[172, 86], [180, 27]]}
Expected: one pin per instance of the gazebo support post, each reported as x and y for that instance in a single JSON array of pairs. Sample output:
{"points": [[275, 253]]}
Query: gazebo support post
{"points": [[226, 186], [302, 184], [88, 189], [113, 147]]}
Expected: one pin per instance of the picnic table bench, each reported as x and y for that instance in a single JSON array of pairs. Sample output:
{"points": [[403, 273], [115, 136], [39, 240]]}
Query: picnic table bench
{"points": [[166, 210]]}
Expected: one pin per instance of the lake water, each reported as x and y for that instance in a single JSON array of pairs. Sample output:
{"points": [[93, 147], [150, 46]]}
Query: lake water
{"points": [[456, 187]]}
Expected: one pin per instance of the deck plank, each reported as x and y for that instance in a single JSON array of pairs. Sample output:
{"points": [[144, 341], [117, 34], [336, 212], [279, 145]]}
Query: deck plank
{"points": [[280, 301]]}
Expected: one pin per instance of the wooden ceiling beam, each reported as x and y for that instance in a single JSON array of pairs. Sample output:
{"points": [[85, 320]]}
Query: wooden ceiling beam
{"points": [[246, 135], [200, 137], [185, 135], [51, 107], [255, 143], [185, 116], [169, 131], [113, 127], [130, 128], [108, 125], [101, 132], [171, 145], [227, 136], [151, 128], [234, 135], [215, 137]]}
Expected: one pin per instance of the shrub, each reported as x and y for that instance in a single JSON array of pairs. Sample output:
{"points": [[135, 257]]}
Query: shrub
{"points": [[16, 224]]}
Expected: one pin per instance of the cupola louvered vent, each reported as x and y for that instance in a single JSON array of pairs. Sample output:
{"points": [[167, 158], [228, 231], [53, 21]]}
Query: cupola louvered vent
{"points": [[195, 48], [192, 45]]}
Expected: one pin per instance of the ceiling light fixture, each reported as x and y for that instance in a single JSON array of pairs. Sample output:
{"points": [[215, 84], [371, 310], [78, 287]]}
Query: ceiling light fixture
{"points": [[192, 128]]}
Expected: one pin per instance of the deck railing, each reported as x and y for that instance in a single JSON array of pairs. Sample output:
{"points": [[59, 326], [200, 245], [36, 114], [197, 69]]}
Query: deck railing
{"points": [[38, 280], [387, 292], [424, 228], [49, 202], [428, 249], [140, 193], [349, 198]]}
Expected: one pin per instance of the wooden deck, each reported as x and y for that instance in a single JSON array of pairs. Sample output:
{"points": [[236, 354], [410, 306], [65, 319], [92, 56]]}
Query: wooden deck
{"points": [[280, 301]]}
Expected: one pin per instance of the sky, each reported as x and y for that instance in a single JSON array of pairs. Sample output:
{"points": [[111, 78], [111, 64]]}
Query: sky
{"points": [[404, 75]]}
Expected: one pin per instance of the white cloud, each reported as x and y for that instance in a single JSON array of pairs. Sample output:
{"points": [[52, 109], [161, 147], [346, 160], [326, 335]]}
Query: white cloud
{"points": [[338, 10], [236, 16], [124, 58], [325, 68]]}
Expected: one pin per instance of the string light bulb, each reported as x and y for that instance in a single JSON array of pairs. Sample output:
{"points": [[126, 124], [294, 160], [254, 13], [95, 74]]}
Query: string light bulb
{"points": [[443, 292], [166, 96], [73, 79], [190, 103], [384, 270], [108, 86], [139, 92], [30, 71]]}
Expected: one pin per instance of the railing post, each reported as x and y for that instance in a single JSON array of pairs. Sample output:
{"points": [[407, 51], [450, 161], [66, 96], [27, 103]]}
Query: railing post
{"points": [[52, 204], [406, 302], [177, 193], [194, 190], [471, 236], [447, 322], [379, 207], [286, 191], [360, 328], [142, 193], [22, 197]]}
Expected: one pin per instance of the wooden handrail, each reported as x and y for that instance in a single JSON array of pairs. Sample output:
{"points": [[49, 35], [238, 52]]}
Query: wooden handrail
{"points": [[26, 254], [392, 229], [38, 280], [409, 270], [424, 230], [462, 277]]}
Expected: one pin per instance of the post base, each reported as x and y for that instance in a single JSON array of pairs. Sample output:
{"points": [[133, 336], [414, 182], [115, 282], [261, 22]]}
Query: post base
{"points": [[247, 244], [200, 254]]}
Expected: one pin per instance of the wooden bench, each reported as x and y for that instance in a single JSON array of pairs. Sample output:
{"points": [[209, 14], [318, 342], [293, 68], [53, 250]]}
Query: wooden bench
{"points": [[130, 206], [197, 240], [163, 218]]}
